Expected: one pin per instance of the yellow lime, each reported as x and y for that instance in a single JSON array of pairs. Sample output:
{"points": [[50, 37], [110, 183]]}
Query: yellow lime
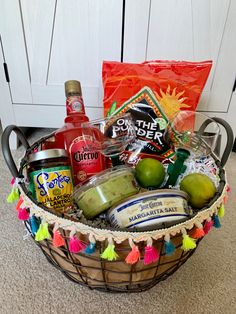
{"points": [[199, 187], [150, 173]]}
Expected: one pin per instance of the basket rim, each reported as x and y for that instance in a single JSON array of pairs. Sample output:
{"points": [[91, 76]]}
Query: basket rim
{"points": [[117, 235], [123, 234]]}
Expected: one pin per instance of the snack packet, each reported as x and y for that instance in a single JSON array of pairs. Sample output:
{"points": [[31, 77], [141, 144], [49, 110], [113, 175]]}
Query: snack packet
{"points": [[153, 92]]}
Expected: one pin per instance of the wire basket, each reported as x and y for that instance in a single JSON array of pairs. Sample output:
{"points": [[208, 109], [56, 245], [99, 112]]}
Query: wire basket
{"points": [[116, 275]]}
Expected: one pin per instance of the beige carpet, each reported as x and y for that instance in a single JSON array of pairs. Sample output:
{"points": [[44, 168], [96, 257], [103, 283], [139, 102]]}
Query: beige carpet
{"points": [[29, 284]]}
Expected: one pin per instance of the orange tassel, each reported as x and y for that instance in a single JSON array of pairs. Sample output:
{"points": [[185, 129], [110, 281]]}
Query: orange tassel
{"points": [[133, 256], [58, 240], [18, 205], [197, 233], [225, 199]]}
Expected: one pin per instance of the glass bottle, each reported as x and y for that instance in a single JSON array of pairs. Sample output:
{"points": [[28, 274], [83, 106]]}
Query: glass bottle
{"points": [[75, 139]]}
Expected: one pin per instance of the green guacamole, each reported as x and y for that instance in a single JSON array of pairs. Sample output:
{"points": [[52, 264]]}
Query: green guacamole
{"points": [[109, 192]]}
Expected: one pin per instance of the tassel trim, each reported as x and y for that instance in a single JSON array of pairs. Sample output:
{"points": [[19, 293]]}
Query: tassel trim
{"points": [[109, 253], [34, 224], [43, 233], [75, 245], [20, 202], [58, 239], [216, 221], [208, 225], [197, 232], [169, 246], [91, 248], [188, 243], [14, 195], [23, 214], [134, 255], [221, 211], [151, 254]]}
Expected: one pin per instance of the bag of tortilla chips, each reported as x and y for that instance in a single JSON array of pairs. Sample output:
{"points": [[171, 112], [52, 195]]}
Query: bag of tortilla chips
{"points": [[153, 92]]}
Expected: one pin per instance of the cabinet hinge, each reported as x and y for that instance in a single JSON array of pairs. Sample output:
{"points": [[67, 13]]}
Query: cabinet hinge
{"points": [[234, 86], [6, 72]]}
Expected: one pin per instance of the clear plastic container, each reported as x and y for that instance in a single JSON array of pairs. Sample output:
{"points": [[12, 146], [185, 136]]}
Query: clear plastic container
{"points": [[105, 190]]}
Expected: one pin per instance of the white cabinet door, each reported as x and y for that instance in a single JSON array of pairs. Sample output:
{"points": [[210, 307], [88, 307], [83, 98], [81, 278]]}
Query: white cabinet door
{"points": [[47, 42], [191, 30]]}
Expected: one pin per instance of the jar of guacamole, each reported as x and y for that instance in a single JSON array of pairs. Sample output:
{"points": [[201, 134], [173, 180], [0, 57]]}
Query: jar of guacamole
{"points": [[105, 190], [49, 173]]}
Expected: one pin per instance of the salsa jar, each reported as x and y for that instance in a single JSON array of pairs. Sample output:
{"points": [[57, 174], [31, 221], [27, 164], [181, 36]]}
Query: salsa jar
{"points": [[50, 178]]}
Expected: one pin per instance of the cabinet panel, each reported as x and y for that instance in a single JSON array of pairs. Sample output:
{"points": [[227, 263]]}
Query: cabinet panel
{"points": [[170, 36], [225, 71], [13, 43], [187, 30], [38, 19], [136, 30], [209, 21], [64, 40]]}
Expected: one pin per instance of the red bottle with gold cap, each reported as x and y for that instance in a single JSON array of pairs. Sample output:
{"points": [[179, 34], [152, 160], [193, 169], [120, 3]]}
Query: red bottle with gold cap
{"points": [[75, 139]]}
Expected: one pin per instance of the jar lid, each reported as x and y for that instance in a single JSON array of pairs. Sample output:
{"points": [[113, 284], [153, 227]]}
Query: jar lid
{"points": [[47, 154], [158, 193]]}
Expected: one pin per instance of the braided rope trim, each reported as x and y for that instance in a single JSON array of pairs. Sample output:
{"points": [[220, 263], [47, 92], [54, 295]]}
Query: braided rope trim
{"points": [[120, 236]]}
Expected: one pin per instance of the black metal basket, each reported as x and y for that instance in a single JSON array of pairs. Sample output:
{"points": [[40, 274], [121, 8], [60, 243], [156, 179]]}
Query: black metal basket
{"points": [[114, 276]]}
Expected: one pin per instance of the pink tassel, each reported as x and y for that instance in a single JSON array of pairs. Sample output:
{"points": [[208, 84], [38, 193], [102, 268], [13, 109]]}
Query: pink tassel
{"points": [[75, 245], [228, 188], [133, 256], [23, 214], [58, 239], [18, 205], [151, 255], [208, 225], [12, 181]]}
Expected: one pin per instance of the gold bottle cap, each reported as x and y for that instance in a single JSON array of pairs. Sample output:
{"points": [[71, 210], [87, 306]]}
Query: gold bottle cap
{"points": [[73, 87]]}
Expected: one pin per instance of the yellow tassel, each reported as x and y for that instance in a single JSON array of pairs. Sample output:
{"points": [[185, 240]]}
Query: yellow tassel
{"points": [[14, 195], [110, 253], [42, 233], [188, 243], [221, 211]]}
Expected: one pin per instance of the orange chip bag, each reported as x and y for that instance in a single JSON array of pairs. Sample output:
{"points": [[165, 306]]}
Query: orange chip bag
{"points": [[153, 92]]}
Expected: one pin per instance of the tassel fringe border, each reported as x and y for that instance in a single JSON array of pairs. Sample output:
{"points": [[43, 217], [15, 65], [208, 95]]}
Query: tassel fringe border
{"points": [[120, 236]]}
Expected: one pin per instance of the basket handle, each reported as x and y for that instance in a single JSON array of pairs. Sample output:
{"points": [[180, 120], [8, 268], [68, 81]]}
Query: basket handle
{"points": [[229, 133], [6, 147]]}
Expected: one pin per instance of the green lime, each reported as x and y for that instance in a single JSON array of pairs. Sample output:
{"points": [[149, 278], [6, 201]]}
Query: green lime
{"points": [[199, 187], [150, 173]]}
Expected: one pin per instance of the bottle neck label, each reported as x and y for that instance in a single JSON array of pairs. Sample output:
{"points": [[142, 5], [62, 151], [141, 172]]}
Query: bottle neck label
{"points": [[74, 104]]}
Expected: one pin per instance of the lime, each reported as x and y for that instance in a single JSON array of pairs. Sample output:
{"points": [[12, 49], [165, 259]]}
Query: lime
{"points": [[150, 173], [199, 187]]}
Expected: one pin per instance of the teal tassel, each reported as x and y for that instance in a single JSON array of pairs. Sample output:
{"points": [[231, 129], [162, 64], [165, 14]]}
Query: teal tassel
{"points": [[216, 220], [169, 248], [91, 248], [34, 224]]}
